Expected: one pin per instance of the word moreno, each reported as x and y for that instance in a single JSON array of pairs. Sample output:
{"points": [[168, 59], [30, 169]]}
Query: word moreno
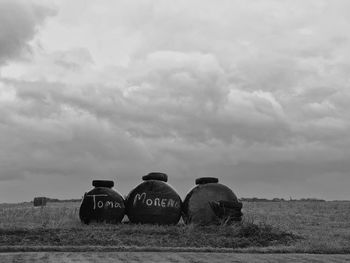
{"points": [[105, 204], [161, 202]]}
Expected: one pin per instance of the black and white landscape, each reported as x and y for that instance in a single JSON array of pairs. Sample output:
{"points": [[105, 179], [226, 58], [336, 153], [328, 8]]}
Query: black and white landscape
{"points": [[255, 93]]}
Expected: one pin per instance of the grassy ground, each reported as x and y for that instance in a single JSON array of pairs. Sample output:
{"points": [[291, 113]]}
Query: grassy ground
{"points": [[325, 226], [170, 257], [316, 227], [154, 236]]}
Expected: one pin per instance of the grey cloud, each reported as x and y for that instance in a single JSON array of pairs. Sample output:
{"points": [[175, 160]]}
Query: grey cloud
{"points": [[73, 59], [286, 172], [175, 94], [19, 21], [254, 93], [68, 142]]}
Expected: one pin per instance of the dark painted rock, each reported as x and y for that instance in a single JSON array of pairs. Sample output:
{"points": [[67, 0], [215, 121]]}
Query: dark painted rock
{"points": [[210, 203], [102, 204], [154, 202]]}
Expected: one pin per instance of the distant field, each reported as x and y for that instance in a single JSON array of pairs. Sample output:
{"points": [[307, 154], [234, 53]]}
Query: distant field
{"points": [[325, 226], [314, 227]]}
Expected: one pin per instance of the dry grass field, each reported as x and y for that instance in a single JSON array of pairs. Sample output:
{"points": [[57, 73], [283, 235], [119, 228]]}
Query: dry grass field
{"points": [[324, 226], [171, 257], [308, 227]]}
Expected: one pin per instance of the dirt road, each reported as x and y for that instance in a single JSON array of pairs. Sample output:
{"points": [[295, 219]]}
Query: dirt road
{"points": [[165, 257]]}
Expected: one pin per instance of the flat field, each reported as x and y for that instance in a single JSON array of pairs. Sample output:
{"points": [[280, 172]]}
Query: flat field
{"points": [[293, 226], [323, 226], [169, 257]]}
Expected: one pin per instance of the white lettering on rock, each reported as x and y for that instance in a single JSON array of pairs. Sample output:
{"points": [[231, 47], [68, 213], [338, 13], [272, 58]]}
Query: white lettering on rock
{"points": [[139, 197], [104, 204], [160, 202]]}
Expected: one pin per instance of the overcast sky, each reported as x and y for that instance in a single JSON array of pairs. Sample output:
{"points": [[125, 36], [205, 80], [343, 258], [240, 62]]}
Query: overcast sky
{"points": [[256, 93]]}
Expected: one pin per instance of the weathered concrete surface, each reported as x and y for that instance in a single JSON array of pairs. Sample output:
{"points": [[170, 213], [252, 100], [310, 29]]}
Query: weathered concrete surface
{"points": [[116, 257]]}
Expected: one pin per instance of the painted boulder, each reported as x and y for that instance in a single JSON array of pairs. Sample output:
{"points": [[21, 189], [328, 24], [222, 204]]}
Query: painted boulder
{"points": [[210, 203], [154, 201], [102, 204]]}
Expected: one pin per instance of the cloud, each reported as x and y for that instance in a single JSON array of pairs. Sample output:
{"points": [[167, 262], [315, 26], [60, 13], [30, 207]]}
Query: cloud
{"points": [[19, 21], [60, 140], [254, 93]]}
